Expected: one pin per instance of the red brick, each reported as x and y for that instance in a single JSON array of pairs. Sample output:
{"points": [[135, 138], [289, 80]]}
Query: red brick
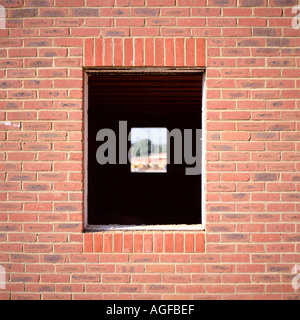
{"points": [[169, 52], [154, 3], [189, 243], [146, 278], [158, 243], [149, 52], [108, 50], [98, 242], [199, 243], [145, 31], [128, 49], [88, 242], [190, 52], [200, 3], [100, 3], [235, 176], [107, 243], [118, 243], [22, 52], [179, 243], [118, 52], [179, 52], [128, 238], [37, 206], [159, 52], [251, 154], [98, 52], [148, 243], [139, 52], [138, 243], [168, 243]]}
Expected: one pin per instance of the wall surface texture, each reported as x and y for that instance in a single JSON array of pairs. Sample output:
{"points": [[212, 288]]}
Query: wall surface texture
{"points": [[250, 246]]}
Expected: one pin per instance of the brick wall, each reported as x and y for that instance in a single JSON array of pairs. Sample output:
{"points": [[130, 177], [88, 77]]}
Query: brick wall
{"points": [[251, 239]]}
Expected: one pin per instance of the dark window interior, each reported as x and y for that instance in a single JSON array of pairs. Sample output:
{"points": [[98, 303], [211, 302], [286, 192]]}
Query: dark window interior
{"points": [[116, 196]]}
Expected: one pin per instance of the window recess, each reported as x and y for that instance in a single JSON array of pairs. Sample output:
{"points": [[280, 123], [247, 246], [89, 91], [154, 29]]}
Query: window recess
{"points": [[153, 191]]}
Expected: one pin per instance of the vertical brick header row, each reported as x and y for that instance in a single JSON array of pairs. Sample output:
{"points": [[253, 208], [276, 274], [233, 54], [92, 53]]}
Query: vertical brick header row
{"points": [[147, 52], [162, 242]]}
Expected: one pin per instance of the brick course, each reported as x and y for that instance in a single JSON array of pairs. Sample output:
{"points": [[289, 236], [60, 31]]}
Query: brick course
{"points": [[251, 239]]}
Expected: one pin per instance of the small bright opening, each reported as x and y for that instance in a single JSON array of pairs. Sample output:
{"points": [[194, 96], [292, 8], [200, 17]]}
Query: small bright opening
{"points": [[148, 152]]}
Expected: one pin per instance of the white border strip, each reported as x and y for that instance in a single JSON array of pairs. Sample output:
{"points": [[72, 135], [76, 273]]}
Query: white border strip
{"points": [[99, 228]]}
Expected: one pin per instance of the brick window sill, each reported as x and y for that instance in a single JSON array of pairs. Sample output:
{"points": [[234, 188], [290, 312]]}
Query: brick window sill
{"points": [[189, 241]]}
